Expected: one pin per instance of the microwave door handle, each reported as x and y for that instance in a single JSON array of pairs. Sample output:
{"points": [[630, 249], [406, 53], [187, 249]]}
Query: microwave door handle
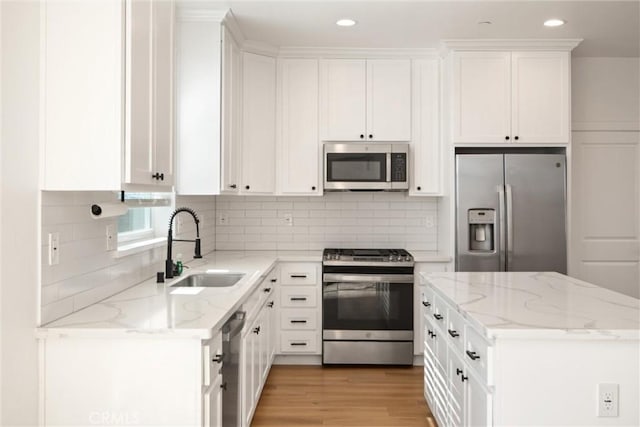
{"points": [[389, 167]]}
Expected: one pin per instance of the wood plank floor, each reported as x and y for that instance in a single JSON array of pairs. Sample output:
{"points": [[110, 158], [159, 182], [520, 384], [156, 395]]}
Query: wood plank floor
{"points": [[343, 396]]}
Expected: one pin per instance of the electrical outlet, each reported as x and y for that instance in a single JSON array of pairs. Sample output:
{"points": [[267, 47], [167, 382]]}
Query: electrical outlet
{"points": [[288, 218], [223, 218], [112, 241], [54, 248], [430, 221], [607, 400]]}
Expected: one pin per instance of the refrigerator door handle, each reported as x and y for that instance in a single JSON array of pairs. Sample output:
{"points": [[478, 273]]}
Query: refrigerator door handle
{"points": [[509, 248], [501, 227]]}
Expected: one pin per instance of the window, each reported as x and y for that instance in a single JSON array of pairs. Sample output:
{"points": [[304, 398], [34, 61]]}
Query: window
{"points": [[147, 219]]}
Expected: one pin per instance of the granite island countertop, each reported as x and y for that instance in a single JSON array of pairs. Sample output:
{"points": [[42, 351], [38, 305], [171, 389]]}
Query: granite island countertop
{"points": [[538, 305]]}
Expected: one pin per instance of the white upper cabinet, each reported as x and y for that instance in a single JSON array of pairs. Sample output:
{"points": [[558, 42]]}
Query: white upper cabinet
{"points": [[540, 97], [258, 124], [388, 100], [481, 96], [125, 91], [299, 156], [426, 155], [149, 93], [231, 113], [365, 99], [198, 106], [510, 97]]}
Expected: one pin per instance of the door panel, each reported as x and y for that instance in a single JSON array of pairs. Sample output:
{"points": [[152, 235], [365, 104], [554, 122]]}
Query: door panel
{"points": [[537, 183], [389, 100], [343, 99], [478, 178]]}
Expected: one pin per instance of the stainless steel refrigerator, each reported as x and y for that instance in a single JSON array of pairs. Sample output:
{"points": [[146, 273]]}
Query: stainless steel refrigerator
{"points": [[511, 212]]}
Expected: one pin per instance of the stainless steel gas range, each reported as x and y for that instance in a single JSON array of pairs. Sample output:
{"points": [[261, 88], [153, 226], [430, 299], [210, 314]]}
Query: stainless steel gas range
{"points": [[367, 306]]}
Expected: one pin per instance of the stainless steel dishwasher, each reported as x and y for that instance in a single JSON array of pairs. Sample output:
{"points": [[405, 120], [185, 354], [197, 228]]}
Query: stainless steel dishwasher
{"points": [[230, 370]]}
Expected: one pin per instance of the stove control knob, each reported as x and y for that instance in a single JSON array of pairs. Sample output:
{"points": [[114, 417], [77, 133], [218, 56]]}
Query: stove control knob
{"points": [[408, 258]]}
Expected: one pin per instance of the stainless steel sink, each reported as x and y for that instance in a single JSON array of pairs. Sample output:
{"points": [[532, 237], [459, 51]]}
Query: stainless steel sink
{"points": [[210, 280]]}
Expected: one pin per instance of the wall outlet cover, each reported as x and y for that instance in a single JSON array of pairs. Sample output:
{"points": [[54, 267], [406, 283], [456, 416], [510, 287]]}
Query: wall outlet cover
{"points": [[112, 237], [288, 218], [608, 400]]}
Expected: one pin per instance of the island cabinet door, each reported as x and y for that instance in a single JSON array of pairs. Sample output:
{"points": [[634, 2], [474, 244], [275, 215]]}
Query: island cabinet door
{"points": [[478, 402]]}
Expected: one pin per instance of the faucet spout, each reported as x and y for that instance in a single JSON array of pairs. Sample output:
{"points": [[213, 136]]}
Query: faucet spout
{"points": [[169, 267]]}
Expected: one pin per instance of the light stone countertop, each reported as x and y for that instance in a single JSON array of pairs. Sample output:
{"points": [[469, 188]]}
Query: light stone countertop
{"points": [[538, 305], [150, 309]]}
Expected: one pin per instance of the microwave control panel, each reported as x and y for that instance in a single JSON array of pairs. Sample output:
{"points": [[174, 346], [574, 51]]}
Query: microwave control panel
{"points": [[398, 167]]}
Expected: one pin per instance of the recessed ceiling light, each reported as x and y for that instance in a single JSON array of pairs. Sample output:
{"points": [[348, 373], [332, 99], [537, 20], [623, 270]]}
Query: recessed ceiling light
{"points": [[554, 22], [346, 22]]}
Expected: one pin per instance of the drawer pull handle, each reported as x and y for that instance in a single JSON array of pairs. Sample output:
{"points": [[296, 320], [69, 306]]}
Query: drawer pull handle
{"points": [[273, 280], [298, 276], [464, 378], [432, 334], [298, 321], [298, 344], [270, 304], [266, 290], [218, 358], [453, 333], [426, 303], [458, 371], [256, 330], [298, 298], [473, 355], [438, 316]]}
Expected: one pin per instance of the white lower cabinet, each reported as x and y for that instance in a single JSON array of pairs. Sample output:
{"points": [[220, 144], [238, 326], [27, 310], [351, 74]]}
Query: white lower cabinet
{"points": [[257, 345], [212, 405], [300, 308], [457, 366]]}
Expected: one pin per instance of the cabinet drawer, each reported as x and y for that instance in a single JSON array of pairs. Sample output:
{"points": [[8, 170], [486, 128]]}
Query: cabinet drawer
{"points": [[212, 359], [299, 342], [455, 329], [478, 354], [298, 296], [300, 273], [298, 319], [439, 313]]}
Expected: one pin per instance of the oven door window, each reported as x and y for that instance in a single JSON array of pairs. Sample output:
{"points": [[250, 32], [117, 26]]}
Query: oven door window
{"points": [[356, 167], [367, 306]]}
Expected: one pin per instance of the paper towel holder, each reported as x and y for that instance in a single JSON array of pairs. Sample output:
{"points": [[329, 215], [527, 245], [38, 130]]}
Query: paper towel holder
{"points": [[108, 210]]}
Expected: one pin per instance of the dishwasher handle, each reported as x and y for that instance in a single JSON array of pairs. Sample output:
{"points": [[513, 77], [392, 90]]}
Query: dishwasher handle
{"points": [[233, 326]]}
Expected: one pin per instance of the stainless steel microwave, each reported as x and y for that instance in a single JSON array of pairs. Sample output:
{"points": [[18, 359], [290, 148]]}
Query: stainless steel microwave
{"points": [[362, 166]]}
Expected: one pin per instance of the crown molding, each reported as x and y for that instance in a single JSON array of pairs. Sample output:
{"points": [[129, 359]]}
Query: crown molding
{"points": [[187, 14], [231, 24], [260, 48], [335, 52], [565, 45]]}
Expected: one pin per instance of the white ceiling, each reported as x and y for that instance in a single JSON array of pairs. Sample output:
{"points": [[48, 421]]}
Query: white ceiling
{"points": [[609, 28]]}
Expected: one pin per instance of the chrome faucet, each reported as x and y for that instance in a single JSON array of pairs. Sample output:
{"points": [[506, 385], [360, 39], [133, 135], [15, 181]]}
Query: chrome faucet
{"points": [[169, 266]]}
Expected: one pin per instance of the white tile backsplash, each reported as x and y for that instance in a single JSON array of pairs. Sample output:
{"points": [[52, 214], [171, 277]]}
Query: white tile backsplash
{"points": [[87, 272], [336, 219]]}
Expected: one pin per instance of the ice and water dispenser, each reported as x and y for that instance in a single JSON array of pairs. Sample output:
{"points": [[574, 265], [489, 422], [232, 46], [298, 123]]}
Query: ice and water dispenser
{"points": [[481, 230]]}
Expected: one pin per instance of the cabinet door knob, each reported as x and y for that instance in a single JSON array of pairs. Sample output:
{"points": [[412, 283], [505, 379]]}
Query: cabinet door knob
{"points": [[270, 304], [438, 316], [458, 371], [516, 138], [223, 386], [313, 188], [246, 187], [233, 186], [266, 290], [361, 136], [426, 303], [453, 333], [464, 378], [370, 136], [506, 137], [218, 358], [273, 280], [418, 188], [256, 330]]}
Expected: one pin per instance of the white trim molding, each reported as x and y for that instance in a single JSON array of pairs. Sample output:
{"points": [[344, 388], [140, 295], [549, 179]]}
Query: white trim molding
{"points": [[355, 53], [565, 45]]}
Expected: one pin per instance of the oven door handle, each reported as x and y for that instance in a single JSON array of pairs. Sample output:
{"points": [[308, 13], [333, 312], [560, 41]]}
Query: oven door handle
{"points": [[360, 278]]}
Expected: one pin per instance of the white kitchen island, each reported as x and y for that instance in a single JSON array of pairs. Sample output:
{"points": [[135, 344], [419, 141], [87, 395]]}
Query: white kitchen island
{"points": [[521, 348]]}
